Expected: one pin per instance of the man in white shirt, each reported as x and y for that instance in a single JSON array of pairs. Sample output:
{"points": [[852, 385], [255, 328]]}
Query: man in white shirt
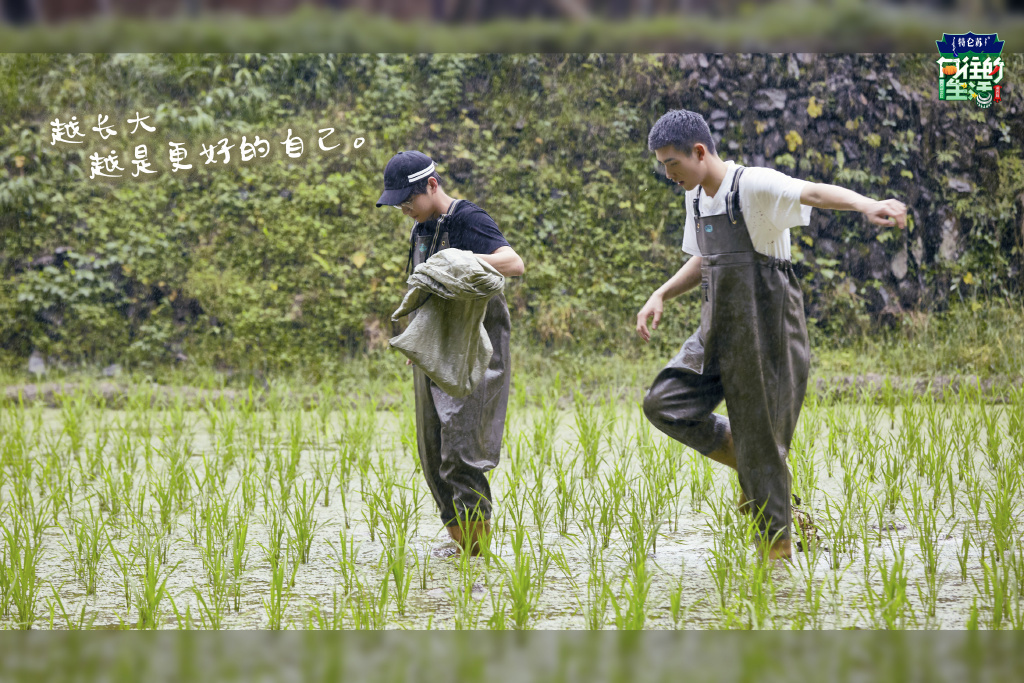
{"points": [[751, 349]]}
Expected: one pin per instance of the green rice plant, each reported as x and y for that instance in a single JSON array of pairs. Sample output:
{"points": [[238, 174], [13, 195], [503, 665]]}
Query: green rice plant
{"points": [[974, 491], [808, 561], [125, 562], [928, 536], [702, 477], [80, 622], [370, 609], [638, 532], [833, 443], [1001, 505], [249, 482], [72, 413], [276, 603], [92, 465], [86, 546], [598, 593], [163, 492], [1015, 424], [395, 534], [152, 588], [612, 489], [755, 589], [212, 606], [991, 416], [888, 604], [407, 434], [22, 535], [722, 563], [676, 609], [545, 425], [997, 589], [302, 520], [894, 469], [631, 612], [467, 609], [358, 433], [525, 582], [498, 621], [326, 398], [275, 525], [963, 551], [239, 555], [517, 457], [589, 428], [540, 507], [805, 474], [346, 554], [327, 620], [636, 584], [214, 563], [112, 491], [325, 470], [567, 491]]}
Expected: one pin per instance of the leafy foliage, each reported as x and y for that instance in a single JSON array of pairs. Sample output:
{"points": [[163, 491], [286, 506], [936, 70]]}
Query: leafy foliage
{"points": [[270, 262]]}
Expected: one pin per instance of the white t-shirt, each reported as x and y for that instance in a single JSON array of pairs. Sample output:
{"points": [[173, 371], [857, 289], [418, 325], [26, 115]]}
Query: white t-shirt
{"points": [[770, 202]]}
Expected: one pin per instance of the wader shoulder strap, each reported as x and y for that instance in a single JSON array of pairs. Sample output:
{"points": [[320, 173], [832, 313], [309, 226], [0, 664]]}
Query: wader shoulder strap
{"points": [[732, 200], [440, 222], [433, 243]]}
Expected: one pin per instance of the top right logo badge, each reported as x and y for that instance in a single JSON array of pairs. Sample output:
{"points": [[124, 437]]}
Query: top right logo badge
{"points": [[970, 67]]}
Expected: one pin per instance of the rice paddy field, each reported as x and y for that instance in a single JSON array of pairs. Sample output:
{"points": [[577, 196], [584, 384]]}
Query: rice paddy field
{"points": [[301, 507]]}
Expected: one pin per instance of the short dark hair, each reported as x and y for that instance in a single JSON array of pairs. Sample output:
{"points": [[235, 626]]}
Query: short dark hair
{"points": [[682, 129], [420, 186]]}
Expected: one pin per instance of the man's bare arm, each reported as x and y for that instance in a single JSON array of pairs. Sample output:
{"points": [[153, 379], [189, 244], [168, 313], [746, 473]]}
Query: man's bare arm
{"points": [[685, 279], [885, 213], [505, 260]]}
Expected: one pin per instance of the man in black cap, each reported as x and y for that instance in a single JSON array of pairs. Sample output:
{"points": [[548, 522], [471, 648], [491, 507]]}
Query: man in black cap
{"points": [[459, 439]]}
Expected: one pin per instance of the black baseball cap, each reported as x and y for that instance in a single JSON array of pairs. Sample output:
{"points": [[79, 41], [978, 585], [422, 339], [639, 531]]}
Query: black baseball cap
{"points": [[403, 171]]}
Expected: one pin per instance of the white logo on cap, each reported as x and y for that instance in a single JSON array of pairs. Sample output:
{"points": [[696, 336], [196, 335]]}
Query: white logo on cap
{"points": [[422, 174]]}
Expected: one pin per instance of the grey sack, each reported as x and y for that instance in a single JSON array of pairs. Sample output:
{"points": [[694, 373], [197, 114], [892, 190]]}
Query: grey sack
{"points": [[446, 339]]}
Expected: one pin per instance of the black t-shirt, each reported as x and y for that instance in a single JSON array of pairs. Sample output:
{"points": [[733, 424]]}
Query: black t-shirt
{"points": [[469, 228]]}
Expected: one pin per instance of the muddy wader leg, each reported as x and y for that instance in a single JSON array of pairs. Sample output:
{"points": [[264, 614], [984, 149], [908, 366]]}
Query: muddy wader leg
{"points": [[460, 439], [681, 404]]}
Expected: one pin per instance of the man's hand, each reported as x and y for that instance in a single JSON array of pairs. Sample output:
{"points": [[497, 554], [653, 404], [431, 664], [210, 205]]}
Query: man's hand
{"points": [[408, 361], [887, 213], [654, 306]]}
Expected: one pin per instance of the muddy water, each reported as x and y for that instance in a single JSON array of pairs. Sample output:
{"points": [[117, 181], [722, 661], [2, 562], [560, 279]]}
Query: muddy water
{"points": [[837, 586]]}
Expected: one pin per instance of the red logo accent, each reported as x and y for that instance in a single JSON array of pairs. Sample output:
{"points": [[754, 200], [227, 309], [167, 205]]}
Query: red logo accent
{"points": [[998, 88]]}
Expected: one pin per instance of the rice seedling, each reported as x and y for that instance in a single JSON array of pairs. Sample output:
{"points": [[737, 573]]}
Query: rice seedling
{"points": [[85, 546], [370, 609], [567, 492], [22, 535], [888, 606], [346, 554], [125, 562], [78, 622], [590, 427], [395, 534], [525, 581], [276, 603], [302, 520], [152, 585]]}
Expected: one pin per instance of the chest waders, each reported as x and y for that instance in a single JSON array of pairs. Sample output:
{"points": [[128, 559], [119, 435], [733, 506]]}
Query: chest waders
{"points": [[459, 439], [752, 351]]}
